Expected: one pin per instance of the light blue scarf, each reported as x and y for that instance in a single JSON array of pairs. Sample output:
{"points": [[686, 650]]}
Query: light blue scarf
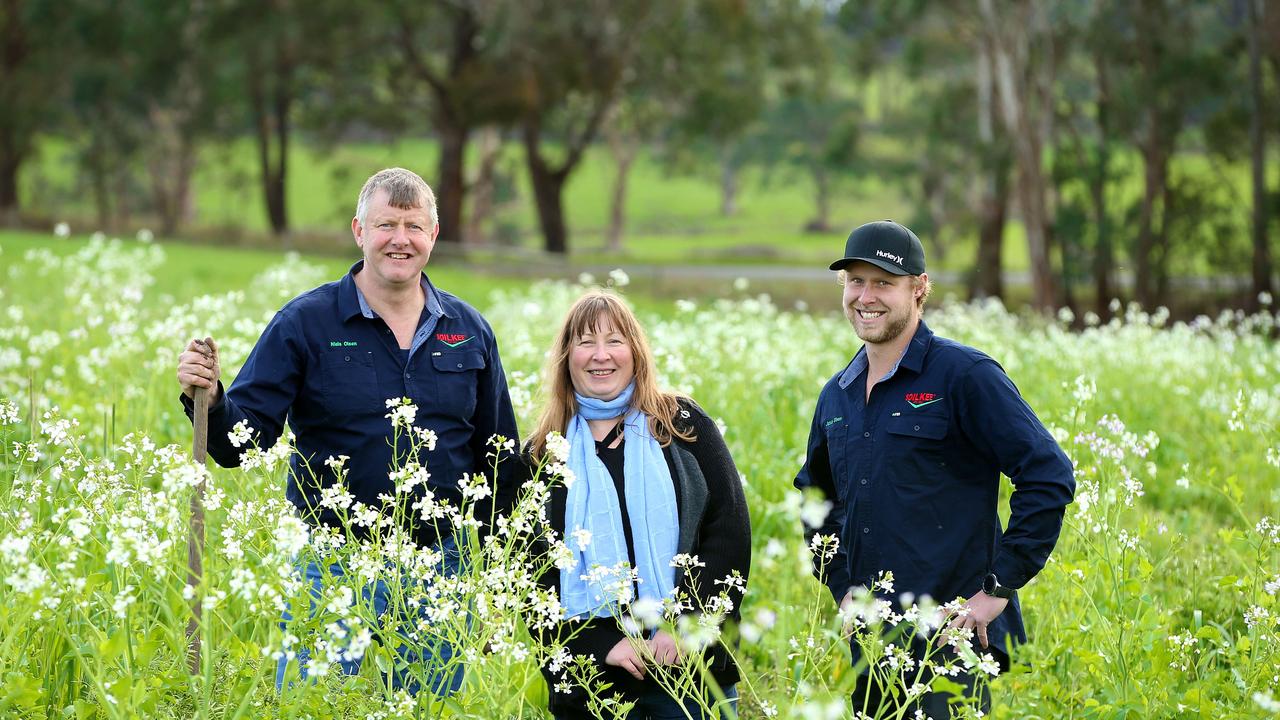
{"points": [[592, 504]]}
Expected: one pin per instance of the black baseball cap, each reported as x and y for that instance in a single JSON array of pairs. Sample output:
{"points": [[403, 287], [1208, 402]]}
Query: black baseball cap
{"points": [[885, 244]]}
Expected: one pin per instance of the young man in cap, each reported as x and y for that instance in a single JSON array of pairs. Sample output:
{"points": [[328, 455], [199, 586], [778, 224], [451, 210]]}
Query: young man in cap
{"points": [[908, 443]]}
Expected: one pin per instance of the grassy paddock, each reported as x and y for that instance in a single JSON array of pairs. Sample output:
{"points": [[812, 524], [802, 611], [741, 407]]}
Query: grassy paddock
{"points": [[1160, 601]]}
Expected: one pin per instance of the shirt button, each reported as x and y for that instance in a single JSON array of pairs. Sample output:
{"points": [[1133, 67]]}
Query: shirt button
{"points": [[866, 530], [867, 434], [408, 375], [347, 358], [864, 481], [459, 366], [917, 427]]}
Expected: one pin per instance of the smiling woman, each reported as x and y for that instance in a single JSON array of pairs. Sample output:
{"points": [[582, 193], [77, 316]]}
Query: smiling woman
{"points": [[658, 520], [601, 365]]}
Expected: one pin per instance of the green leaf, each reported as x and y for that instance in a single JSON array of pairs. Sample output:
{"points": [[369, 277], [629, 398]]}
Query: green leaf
{"points": [[946, 685], [121, 689], [113, 646], [21, 690], [85, 710], [1208, 632]]}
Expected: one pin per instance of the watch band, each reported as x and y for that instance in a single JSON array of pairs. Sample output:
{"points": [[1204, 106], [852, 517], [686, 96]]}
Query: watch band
{"points": [[991, 586]]}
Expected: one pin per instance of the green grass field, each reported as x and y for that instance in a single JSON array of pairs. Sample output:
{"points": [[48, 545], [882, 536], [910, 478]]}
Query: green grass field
{"points": [[671, 218], [1162, 599]]}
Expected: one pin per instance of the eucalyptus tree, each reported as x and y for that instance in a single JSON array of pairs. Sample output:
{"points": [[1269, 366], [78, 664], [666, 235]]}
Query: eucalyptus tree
{"points": [[458, 55], [278, 54], [33, 84]]}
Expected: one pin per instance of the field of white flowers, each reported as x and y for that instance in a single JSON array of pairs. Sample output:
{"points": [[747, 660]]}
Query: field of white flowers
{"points": [[1162, 599]]}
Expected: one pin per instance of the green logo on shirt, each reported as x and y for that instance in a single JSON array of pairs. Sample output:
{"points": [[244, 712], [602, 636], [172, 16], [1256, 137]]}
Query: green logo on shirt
{"points": [[342, 343], [833, 421], [454, 340]]}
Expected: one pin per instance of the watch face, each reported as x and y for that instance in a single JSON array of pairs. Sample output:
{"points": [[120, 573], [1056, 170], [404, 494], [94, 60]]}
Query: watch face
{"points": [[989, 584]]}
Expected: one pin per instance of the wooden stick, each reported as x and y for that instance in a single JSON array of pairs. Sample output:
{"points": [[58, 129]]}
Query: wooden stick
{"points": [[195, 537]]}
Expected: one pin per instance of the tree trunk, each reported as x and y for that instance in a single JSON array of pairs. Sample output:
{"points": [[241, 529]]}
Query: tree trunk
{"points": [[97, 164], [624, 155], [171, 165], [482, 188], [1021, 121], [172, 152], [1258, 154], [120, 188], [987, 279], [14, 52], [1155, 178], [271, 125], [728, 181], [548, 193], [548, 182], [1103, 257], [1161, 244], [451, 174], [1031, 196], [10, 161], [821, 200]]}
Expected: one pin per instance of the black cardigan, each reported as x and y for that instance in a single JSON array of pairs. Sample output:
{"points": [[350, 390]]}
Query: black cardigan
{"points": [[714, 526]]}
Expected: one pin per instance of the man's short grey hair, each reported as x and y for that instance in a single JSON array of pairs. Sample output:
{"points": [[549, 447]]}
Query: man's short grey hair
{"points": [[405, 190]]}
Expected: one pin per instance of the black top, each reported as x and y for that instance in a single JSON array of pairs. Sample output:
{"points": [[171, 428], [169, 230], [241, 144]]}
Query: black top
{"points": [[721, 540], [614, 460]]}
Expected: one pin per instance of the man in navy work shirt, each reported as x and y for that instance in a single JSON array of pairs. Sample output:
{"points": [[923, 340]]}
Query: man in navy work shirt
{"points": [[333, 356], [908, 443]]}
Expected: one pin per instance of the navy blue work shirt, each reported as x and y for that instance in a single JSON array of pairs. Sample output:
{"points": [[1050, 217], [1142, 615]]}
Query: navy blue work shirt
{"points": [[327, 363], [913, 475]]}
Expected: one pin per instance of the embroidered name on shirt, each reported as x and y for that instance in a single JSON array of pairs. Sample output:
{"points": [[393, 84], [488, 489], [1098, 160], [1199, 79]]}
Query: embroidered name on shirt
{"points": [[833, 421], [454, 340], [919, 400], [342, 343]]}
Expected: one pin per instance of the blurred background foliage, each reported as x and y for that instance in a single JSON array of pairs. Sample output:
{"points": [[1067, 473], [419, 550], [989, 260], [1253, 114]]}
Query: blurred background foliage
{"points": [[1064, 152]]}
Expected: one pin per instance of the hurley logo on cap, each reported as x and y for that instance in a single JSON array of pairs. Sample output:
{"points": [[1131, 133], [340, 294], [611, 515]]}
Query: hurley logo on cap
{"points": [[891, 256], [885, 244]]}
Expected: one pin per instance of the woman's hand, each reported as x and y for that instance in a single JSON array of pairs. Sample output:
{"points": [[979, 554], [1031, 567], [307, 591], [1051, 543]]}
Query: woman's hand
{"points": [[663, 649], [624, 655]]}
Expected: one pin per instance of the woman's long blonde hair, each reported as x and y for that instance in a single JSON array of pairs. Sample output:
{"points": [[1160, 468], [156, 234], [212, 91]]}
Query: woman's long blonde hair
{"points": [[559, 405]]}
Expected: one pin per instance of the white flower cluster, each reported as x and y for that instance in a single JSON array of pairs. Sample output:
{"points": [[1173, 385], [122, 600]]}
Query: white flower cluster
{"points": [[403, 412], [9, 413]]}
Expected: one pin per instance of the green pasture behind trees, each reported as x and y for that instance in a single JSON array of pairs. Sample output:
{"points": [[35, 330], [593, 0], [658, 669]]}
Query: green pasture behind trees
{"points": [[673, 219], [1161, 600]]}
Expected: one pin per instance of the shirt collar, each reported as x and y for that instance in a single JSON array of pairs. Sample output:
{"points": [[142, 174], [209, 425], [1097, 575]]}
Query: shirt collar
{"points": [[912, 357], [351, 301]]}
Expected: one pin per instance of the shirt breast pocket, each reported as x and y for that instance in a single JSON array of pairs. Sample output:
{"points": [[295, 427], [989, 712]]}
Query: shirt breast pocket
{"points": [[918, 442], [349, 382], [457, 379]]}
